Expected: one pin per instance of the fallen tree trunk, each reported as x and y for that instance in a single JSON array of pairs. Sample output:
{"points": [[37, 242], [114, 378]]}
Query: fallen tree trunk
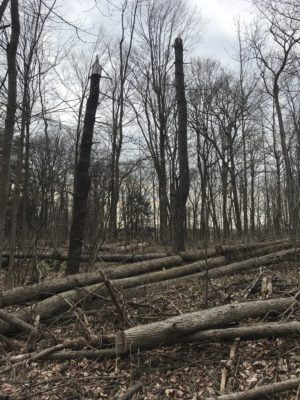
{"points": [[76, 354], [225, 248], [247, 332], [240, 255], [224, 270], [58, 303], [121, 258], [46, 289], [166, 331], [261, 391], [245, 247], [238, 252], [198, 255], [17, 322]]}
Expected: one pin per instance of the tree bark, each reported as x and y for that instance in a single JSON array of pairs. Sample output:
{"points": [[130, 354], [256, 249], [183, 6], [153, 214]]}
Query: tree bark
{"points": [[118, 258], [182, 191], [226, 249], [188, 273], [39, 291], [199, 255], [214, 273], [6, 146], [82, 178], [3, 6], [247, 332], [154, 334], [261, 391]]}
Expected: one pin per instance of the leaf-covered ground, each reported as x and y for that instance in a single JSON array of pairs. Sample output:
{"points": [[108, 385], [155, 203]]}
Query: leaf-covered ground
{"points": [[189, 371]]}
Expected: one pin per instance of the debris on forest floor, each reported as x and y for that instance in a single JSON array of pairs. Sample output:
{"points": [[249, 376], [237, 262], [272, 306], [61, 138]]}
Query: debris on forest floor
{"points": [[180, 371]]}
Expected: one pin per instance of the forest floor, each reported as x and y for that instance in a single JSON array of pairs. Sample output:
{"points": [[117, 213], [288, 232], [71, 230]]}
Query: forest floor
{"points": [[185, 371]]}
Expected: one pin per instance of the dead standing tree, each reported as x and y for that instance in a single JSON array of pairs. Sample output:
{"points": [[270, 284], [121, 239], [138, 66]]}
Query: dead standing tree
{"points": [[82, 178], [182, 190]]}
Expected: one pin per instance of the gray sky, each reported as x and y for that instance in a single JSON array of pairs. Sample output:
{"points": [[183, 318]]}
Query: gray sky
{"points": [[218, 36]]}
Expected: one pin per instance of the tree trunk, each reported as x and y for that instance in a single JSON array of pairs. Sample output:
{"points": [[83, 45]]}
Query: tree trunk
{"points": [[262, 392], [182, 191], [82, 178], [292, 218], [6, 146], [61, 302], [247, 332], [42, 290], [2, 8], [167, 331]]}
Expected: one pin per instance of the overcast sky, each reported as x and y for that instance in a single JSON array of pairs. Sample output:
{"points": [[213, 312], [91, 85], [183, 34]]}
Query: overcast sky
{"points": [[219, 34], [219, 15]]}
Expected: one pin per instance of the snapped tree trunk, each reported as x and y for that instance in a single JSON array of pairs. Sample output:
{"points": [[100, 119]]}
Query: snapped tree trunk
{"points": [[82, 178], [182, 191]]}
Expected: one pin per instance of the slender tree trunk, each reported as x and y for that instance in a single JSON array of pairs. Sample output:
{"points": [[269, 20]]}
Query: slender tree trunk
{"points": [[235, 194], [82, 178], [252, 198], [291, 220], [17, 187], [3, 6], [10, 118], [224, 177], [162, 192]]}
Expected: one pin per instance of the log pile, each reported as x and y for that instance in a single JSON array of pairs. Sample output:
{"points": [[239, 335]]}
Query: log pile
{"points": [[201, 270], [224, 322]]}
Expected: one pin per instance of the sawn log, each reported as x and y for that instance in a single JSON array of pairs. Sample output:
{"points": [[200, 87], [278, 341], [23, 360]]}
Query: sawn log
{"points": [[42, 290], [175, 328]]}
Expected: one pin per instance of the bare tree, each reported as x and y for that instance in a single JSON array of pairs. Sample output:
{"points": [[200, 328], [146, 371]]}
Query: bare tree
{"points": [[274, 46], [7, 137]]}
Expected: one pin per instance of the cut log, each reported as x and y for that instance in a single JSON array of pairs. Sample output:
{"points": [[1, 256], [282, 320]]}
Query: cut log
{"points": [[261, 391], [120, 258], [238, 252], [59, 303], [126, 258], [166, 331], [42, 290], [198, 255], [240, 255], [224, 270], [247, 332], [76, 354], [226, 248]]}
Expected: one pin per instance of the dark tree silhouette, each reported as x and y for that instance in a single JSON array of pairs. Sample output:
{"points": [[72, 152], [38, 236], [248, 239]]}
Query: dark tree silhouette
{"points": [[182, 190], [82, 177]]}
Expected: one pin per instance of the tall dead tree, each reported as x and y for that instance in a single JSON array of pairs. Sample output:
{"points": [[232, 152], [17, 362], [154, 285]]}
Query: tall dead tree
{"points": [[182, 190], [7, 137], [82, 177]]}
